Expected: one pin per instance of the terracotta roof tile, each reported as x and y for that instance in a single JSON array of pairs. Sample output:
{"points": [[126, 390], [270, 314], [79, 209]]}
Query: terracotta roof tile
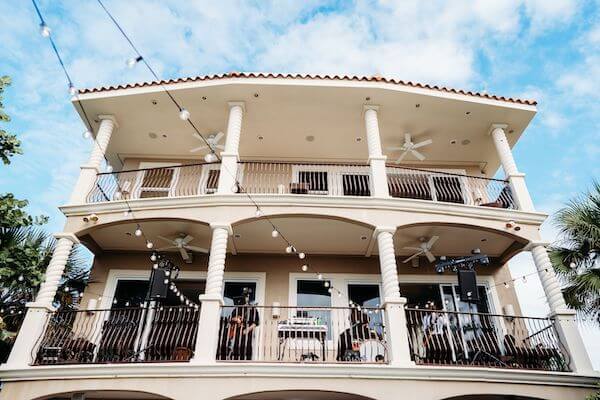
{"points": [[270, 75]]}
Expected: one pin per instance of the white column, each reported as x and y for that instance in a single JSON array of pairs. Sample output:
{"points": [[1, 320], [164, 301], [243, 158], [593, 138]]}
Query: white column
{"points": [[566, 324], [230, 157], [212, 299], [87, 176], [37, 312], [515, 178], [395, 316], [376, 157]]}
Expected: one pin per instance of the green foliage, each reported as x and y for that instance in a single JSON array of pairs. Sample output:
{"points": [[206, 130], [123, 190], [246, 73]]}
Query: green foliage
{"points": [[576, 258], [9, 144], [595, 396], [12, 214]]}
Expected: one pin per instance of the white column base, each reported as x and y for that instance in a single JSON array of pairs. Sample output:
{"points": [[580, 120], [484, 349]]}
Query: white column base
{"points": [[520, 192], [228, 173], [570, 338], [397, 333], [26, 343], [208, 330], [379, 182], [85, 183]]}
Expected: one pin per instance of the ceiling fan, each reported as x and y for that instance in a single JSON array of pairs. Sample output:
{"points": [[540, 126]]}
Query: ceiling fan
{"points": [[410, 147], [212, 140], [181, 243], [424, 248]]}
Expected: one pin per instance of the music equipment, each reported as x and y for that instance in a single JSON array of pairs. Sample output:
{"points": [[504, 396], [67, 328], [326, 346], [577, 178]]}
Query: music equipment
{"points": [[467, 285]]}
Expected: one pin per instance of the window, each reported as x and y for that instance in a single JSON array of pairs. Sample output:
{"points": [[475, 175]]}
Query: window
{"points": [[314, 294], [420, 295], [367, 296], [233, 294], [189, 288], [316, 181], [356, 185], [130, 293]]}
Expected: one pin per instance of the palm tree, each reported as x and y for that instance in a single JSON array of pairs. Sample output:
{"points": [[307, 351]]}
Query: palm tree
{"points": [[576, 257]]}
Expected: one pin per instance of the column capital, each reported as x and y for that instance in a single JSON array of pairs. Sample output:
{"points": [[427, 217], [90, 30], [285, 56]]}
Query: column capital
{"points": [[207, 298], [497, 125], [110, 117], [529, 246], [376, 158], [373, 107], [67, 235], [380, 229], [227, 227], [241, 104]]}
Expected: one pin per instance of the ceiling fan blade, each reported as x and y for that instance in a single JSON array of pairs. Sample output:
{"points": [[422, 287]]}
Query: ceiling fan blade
{"points": [[411, 257], [395, 148], [401, 157], [423, 143], [407, 138], [184, 253], [187, 239], [195, 149], [197, 249], [432, 241], [218, 137], [413, 248], [429, 256], [166, 248], [219, 146], [165, 239], [415, 153]]}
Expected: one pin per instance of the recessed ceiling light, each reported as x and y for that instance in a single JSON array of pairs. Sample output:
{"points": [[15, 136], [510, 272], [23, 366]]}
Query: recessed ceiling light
{"points": [[484, 240], [367, 98], [237, 236], [152, 135], [358, 139], [255, 94], [511, 131], [260, 137], [154, 102], [164, 135], [417, 105], [128, 233], [465, 142], [468, 113], [453, 141], [363, 237], [203, 97], [310, 138]]}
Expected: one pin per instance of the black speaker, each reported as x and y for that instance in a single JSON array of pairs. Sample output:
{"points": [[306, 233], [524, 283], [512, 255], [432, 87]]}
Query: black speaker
{"points": [[467, 285], [159, 283]]}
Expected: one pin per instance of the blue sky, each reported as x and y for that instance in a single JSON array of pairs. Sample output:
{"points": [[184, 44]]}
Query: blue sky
{"points": [[546, 50]]}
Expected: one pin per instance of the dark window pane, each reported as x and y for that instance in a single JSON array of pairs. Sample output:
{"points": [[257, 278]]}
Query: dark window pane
{"points": [[420, 295], [234, 292], [367, 295], [130, 293], [314, 294], [356, 185]]}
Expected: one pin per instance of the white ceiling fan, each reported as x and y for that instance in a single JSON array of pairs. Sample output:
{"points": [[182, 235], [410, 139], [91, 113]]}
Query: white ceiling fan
{"points": [[181, 243], [424, 248], [212, 140], [410, 147]]}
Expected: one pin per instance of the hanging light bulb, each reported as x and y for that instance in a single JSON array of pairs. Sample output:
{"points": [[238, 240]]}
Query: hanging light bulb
{"points": [[132, 61], [87, 134], [573, 265], [258, 212], [109, 168], [330, 290], [155, 266], [339, 294], [138, 231], [118, 194], [210, 157], [153, 257], [72, 90], [320, 276], [126, 213], [506, 285], [305, 268], [20, 278], [524, 279], [44, 30], [149, 244], [274, 233], [66, 289], [167, 273], [126, 304], [301, 256], [184, 114], [115, 301], [181, 298], [289, 249], [326, 283]]}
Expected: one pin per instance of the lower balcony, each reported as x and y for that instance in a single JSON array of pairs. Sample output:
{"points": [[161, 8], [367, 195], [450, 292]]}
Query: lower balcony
{"points": [[317, 335]]}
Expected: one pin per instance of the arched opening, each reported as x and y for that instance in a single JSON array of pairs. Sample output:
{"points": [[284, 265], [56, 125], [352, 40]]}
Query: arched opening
{"points": [[104, 395], [299, 395], [492, 397]]}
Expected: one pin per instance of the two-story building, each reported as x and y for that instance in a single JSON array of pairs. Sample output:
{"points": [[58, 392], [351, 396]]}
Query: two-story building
{"points": [[298, 237]]}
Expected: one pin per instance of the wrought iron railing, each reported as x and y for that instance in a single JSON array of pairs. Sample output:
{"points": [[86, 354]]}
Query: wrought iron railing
{"points": [[173, 181], [489, 340], [121, 335], [447, 187], [302, 335]]}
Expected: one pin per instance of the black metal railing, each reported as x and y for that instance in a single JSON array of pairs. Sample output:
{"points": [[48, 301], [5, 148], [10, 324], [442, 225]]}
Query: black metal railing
{"points": [[489, 340], [302, 334], [137, 334]]}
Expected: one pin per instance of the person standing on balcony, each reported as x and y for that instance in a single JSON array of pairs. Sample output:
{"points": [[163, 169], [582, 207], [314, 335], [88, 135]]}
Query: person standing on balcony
{"points": [[242, 322], [437, 346]]}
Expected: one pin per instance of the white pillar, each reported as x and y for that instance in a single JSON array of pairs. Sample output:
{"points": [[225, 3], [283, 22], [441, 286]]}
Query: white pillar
{"points": [[395, 316], [87, 176], [230, 157], [376, 158], [212, 299], [566, 324], [515, 178], [37, 312]]}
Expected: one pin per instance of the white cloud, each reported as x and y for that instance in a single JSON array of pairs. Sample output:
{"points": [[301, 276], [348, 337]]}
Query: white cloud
{"points": [[546, 13]]}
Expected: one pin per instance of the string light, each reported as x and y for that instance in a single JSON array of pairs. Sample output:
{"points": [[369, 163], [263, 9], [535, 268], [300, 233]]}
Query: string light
{"points": [[305, 268], [506, 285], [44, 30], [289, 249], [87, 134], [153, 257], [320, 276], [149, 244], [20, 278], [210, 157], [258, 212], [326, 283], [302, 256], [132, 61], [109, 168], [184, 114], [275, 233], [138, 231], [72, 90]]}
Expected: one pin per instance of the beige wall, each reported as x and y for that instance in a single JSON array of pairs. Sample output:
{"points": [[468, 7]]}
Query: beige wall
{"points": [[277, 269]]}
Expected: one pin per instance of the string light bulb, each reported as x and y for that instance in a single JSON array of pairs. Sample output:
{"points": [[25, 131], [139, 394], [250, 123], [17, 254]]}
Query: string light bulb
{"points": [[326, 283], [305, 268], [289, 249], [506, 285], [184, 114], [138, 231], [132, 61], [573, 265], [153, 257], [149, 244], [45, 30], [109, 168], [20, 278], [274, 233], [72, 90], [87, 134], [210, 157], [524, 279], [301, 256], [330, 290], [320, 276], [258, 212]]}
